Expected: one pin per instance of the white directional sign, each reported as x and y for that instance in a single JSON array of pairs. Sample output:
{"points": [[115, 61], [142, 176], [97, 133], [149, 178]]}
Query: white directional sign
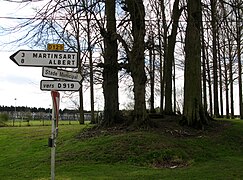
{"points": [[60, 74], [45, 58], [49, 85]]}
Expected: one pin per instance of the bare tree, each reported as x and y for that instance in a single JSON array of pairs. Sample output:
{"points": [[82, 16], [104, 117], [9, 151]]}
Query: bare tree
{"points": [[136, 59], [110, 72], [215, 60], [165, 46], [193, 109], [238, 11], [170, 57]]}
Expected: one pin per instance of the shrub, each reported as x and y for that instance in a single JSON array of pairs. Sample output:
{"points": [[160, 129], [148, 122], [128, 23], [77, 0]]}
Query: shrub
{"points": [[4, 117]]}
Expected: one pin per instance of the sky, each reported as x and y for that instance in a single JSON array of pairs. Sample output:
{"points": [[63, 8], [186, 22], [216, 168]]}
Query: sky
{"points": [[20, 86]]}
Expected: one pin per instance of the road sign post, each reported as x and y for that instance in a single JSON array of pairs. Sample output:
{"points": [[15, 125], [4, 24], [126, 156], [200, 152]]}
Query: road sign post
{"points": [[55, 115]]}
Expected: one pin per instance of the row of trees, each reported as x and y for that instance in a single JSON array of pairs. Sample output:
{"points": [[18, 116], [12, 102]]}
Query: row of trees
{"points": [[34, 109], [150, 43]]}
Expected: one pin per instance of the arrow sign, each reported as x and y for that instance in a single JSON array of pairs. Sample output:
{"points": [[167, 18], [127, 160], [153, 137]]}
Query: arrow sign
{"points": [[61, 74], [50, 85], [38, 58]]}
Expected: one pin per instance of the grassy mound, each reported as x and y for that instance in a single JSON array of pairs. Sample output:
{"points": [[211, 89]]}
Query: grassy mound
{"points": [[166, 152]]}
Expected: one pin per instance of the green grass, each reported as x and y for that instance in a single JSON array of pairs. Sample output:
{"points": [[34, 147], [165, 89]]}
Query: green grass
{"points": [[24, 154]]}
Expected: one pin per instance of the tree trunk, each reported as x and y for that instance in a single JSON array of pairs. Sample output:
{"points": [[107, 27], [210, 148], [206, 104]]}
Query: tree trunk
{"points": [[209, 86], [90, 51], [174, 85], [238, 41], [136, 59], [215, 63], [163, 64], [81, 106], [220, 82], [151, 73], [193, 109], [226, 81], [90, 57], [170, 58], [110, 73], [204, 76], [231, 79]]}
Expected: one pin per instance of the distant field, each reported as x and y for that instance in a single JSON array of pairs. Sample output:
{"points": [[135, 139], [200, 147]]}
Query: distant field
{"points": [[19, 122], [119, 154]]}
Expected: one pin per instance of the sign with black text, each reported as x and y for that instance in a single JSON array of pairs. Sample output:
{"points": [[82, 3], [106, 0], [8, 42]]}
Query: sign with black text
{"points": [[50, 85], [55, 47], [61, 74], [38, 58]]}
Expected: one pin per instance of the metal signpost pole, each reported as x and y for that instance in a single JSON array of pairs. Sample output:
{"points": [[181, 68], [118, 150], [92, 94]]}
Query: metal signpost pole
{"points": [[55, 113], [53, 144]]}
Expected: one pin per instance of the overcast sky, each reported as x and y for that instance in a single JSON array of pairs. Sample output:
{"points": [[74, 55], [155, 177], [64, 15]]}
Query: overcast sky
{"points": [[20, 86]]}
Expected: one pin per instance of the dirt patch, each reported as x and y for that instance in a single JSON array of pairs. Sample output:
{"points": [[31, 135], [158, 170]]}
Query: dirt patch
{"points": [[168, 125], [170, 164], [97, 131]]}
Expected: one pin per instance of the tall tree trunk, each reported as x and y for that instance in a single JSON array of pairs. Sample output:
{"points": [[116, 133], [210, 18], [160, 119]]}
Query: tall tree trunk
{"points": [[215, 63], [209, 86], [161, 64], [238, 41], [110, 73], [193, 110], [170, 57], [90, 51], [226, 80], [151, 71], [220, 82], [165, 48], [153, 74], [174, 85], [231, 79], [204, 76], [136, 59], [81, 106]]}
